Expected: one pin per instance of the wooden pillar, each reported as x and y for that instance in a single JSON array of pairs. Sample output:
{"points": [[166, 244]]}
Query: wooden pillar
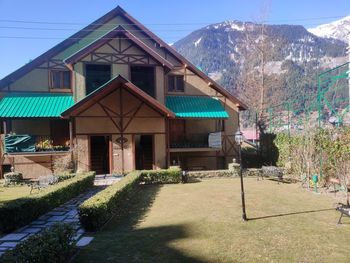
{"points": [[70, 134], [4, 123], [121, 127], [167, 138]]}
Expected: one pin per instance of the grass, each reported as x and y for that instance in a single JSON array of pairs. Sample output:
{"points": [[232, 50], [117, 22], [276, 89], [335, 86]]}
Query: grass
{"points": [[14, 192], [201, 222]]}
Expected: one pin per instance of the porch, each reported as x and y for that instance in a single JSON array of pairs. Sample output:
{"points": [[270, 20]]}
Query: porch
{"points": [[196, 136], [33, 133]]}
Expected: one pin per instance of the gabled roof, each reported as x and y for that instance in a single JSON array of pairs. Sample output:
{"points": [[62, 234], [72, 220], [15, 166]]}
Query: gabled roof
{"points": [[117, 31], [107, 88], [75, 38], [181, 58], [85, 31]]}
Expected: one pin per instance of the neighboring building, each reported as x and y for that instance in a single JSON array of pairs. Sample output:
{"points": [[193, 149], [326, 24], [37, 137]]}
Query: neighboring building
{"points": [[252, 135], [115, 98]]}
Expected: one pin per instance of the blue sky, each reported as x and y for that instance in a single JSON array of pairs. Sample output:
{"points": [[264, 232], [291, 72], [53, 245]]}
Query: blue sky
{"points": [[171, 20]]}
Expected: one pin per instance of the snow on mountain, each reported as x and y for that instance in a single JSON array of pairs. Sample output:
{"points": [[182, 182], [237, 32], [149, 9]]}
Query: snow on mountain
{"points": [[339, 29]]}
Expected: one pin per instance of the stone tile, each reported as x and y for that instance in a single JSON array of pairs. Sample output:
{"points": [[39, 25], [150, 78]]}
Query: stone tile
{"points": [[31, 230], [56, 213], [44, 217], [77, 236], [50, 223], [9, 244], [38, 222], [61, 209], [29, 235], [13, 237], [56, 218], [71, 220], [72, 212], [80, 231], [84, 241]]}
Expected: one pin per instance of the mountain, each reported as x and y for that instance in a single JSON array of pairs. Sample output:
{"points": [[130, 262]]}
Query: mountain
{"points": [[339, 29], [231, 53]]}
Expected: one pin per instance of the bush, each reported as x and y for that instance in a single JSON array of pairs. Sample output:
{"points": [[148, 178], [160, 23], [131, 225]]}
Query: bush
{"points": [[97, 210], [54, 244], [63, 177], [166, 176], [19, 212], [13, 178]]}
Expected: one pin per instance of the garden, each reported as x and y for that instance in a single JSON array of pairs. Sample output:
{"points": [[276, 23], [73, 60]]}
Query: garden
{"points": [[201, 222], [153, 216]]}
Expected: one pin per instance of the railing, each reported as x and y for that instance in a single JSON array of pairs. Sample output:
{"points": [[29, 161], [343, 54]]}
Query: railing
{"points": [[24, 143], [197, 140]]}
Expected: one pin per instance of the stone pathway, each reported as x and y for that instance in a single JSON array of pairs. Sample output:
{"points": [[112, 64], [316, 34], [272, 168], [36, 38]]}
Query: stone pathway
{"points": [[66, 213]]}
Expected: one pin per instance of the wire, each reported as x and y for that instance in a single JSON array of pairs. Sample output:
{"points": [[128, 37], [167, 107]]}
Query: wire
{"points": [[97, 30], [163, 24], [86, 30], [74, 38]]}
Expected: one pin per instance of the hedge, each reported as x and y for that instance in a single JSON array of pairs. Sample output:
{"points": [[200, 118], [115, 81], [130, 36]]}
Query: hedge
{"points": [[97, 210], [19, 212], [54, 244], [172, 175]]}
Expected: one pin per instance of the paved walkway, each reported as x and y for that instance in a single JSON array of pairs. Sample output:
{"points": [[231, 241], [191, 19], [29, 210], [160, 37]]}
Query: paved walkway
{"points": [[66, 213]]}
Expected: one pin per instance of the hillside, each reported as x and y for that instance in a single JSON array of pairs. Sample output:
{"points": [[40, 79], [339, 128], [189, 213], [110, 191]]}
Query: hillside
{"points": [[231, 53]]}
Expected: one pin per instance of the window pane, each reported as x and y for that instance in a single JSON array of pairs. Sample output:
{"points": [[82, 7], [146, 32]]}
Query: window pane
{"points": [[171, 86], [179, 83], [56, 79], [66, 79]]}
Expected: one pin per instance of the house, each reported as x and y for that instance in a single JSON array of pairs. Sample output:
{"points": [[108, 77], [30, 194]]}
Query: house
{"points": [[251, 135], [115, 97]]}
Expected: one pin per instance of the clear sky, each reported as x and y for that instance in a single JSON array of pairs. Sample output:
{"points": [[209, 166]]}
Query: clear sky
{"points": [[171, 20]]}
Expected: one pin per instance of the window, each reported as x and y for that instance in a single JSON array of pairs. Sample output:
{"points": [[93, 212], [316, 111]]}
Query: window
{"points": [[96, 76], [176, 83], [220, 125], [143, 78], [60, 80]]}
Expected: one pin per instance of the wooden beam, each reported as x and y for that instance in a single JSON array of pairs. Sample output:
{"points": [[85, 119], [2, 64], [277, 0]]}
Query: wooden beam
{"points": [[133, 116], [110, 117]]}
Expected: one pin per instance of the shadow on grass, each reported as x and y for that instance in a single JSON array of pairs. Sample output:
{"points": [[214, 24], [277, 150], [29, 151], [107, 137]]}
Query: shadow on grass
{"points": [[290, 214], [283, 181], [122, 239]]}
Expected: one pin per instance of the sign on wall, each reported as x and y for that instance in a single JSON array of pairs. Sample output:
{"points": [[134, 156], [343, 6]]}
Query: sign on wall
{"points": [[214, 140]]}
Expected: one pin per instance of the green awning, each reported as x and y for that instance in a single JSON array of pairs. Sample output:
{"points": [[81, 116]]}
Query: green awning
{"points": [[34, 105], [196, 107]]}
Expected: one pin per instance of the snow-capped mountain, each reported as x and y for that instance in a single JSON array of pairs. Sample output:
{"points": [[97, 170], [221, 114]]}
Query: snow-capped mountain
{"points": [[229, 53], [339, 29]]}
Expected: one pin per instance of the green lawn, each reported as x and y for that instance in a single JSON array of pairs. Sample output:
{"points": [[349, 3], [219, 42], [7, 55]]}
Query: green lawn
{"points": [[14, 192], [201, 222]]}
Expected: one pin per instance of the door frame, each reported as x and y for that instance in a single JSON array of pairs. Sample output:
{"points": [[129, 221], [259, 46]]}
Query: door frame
{"points": [[110, 150], [134, 148]]}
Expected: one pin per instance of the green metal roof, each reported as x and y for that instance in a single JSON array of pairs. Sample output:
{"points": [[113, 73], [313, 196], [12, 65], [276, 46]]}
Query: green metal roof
{"points": [[196, 107], [25, 105]]}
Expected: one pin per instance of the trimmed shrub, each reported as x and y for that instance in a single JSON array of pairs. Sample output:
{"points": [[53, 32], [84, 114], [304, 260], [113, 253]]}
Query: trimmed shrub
{"points": [[97, 210], [173, 175], [54, 244], [63, 177], [19, 212]]}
